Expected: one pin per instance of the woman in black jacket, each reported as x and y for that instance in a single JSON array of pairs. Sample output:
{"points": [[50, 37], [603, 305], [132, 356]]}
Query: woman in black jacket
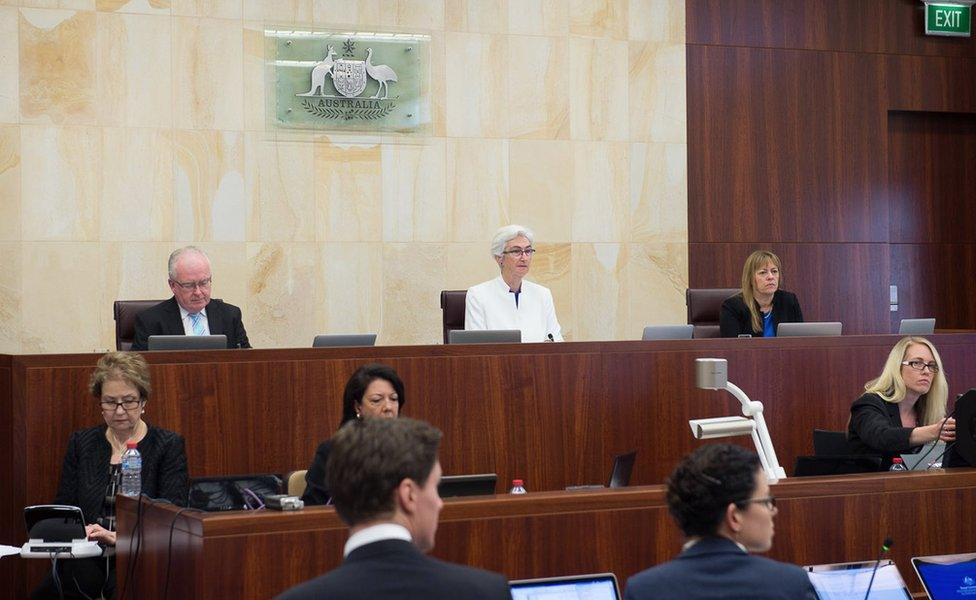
{"points": [[761, 306], [91, 473]]}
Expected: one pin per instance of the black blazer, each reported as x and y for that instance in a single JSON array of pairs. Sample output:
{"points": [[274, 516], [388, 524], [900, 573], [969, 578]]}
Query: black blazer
{"points": [[165, 319], [717, 568], [735, 318], [316, 488], [395, 569], [875, 428], [85, 471]]}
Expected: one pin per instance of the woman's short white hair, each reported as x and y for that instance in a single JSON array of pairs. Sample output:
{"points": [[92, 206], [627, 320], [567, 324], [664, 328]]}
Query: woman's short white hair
{"points": [[507, 234]]}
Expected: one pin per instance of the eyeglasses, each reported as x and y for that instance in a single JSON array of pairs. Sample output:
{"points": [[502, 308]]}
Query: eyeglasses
{"points": [[921, 365], [520, 251], [189, 286], [769, 502], [127, 403]]}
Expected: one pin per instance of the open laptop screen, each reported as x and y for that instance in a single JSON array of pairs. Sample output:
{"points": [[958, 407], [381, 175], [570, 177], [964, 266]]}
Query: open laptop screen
{"points": [[849, 581], [944, 577], [602, 586]]}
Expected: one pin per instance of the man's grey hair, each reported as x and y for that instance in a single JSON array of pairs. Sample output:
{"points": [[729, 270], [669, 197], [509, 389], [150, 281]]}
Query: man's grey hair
{"points": [[507, 234], [179, 252]]}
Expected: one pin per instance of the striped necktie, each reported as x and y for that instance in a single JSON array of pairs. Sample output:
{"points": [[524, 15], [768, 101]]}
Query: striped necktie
{"points": [[197, 320]]}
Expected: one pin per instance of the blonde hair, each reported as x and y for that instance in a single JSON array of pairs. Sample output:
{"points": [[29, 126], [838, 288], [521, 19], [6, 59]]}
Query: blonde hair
{"points": [[756, 260], [891, 387], [121, 366]]}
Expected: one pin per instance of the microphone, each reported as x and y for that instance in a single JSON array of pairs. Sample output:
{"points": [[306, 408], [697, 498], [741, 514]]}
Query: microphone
{"points": [[885, 546], [551, 339]]}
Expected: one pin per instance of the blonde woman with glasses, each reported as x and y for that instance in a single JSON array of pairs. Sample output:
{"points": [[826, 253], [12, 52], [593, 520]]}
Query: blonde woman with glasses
{"points": [[905, 406]]}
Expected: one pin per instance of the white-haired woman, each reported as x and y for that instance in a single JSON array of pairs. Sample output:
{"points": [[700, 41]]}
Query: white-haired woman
{"points": [[508, 301], [905, 406]]}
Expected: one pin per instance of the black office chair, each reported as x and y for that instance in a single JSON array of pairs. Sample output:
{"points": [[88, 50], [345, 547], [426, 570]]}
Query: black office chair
{"points": [[830, 443]]}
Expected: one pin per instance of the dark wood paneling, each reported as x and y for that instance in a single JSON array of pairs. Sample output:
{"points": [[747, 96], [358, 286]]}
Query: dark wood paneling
{"points": [[939, 84], [935, 280], [833, 282], [782, 146], [821, 520], [880, 26]]}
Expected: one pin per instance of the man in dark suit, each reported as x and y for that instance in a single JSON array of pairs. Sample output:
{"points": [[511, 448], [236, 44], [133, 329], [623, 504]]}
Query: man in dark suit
{"points": [[383, 476], [190, 311], [720, 498]]}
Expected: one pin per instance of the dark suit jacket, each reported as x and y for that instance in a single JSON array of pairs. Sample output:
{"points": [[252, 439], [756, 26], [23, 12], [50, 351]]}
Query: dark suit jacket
{"points": [[716, 568], [85, 472], [735, 318], [164, 319], [875, 428], [395, 569], [316, 488]]}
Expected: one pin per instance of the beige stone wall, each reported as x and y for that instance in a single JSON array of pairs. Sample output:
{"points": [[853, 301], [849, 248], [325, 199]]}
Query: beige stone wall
{"points": [[128, 128]]}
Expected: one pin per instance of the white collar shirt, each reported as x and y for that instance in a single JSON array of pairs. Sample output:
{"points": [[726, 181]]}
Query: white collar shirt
{"points": [[188, 322], [376, 533]]}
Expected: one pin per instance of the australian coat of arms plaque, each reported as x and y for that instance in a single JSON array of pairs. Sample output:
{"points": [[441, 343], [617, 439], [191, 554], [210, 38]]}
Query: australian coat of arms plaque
{"points": [[349, 82]]}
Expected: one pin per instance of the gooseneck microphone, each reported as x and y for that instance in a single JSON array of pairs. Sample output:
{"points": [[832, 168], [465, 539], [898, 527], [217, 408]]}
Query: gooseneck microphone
{"points": [[885, 546]]}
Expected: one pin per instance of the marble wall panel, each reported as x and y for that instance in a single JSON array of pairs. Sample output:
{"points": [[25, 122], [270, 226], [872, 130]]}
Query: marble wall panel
{"points": [[64, 4], [11, 309], [281, 302], [218, 9], [208, 184], [656, 20], [657, 92], [413, 277], [659, 192], [348, 193], [57, 67], [601, 207], [423, 14], [10, 183], [415, 192], [208, 74], [477, 15], [599, 103], [599, 18], [280, 186], [231, 270], [278, 11], [142, 7], [61, 183], [468, 264], [351, 290], [255, 117], [539, 87], [552, 267], [541, 183], [598, 304], [653, 285], [135, 79], [477, 171], [9, 65], [137, 190], [477, 85], [538, 17]]}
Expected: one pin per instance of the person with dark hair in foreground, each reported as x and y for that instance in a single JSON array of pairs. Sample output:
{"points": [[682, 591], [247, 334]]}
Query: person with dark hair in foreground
{"points": [[383, 474], [374, 390], [720, 499]]}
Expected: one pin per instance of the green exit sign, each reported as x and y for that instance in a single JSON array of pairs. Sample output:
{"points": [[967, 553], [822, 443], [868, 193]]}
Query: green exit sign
{"points": [[948, 18]]}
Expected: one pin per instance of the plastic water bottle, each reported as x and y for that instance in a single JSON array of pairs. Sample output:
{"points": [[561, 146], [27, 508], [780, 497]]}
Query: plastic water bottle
{"points": [[897, 464], [518, 487], [131, 471]]}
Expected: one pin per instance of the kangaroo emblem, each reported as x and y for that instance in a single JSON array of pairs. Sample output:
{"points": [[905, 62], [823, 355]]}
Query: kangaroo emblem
{"points": [[319, 73]]}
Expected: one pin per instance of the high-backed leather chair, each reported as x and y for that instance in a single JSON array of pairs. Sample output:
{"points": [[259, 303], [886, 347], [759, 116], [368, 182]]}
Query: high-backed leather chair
{"points": [[704, 306], [125, 312], [452, 307]]}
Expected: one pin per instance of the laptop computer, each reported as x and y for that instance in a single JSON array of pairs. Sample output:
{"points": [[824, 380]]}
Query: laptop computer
{"points": [[668, 332], [57, 531], [484, 336], [926, 458], [809, 329], [334, 340], [598, 586], [917, 326], [482, 484], [188, 342], [948, 576], [850, 581], [623, 465]]}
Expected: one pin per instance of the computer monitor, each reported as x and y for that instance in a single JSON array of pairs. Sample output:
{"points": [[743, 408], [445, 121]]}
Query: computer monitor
{"points": [[482, 484], [188, 342], [947, 577], [809, 329], [668, 332], [917, 326], [623, 465], [335, 340], [484, 336], [599, 586], [850, 581], [963, 452]]}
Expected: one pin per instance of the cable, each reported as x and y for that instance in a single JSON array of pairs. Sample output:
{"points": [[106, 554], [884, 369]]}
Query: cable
{"points": [[931, 447], [133, 556], [938, 460], [169, 548], [54, 575]]}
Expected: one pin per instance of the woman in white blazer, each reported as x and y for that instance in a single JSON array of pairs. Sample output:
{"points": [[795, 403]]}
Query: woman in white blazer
{"points": [[508, 301]]}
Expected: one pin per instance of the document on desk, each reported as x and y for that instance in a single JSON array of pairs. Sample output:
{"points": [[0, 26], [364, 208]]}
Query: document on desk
{"points": [[850, 584]]}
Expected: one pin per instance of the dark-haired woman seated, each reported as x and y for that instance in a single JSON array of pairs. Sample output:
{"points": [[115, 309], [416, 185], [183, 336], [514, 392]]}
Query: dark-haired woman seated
{"points": [[761, 306], [374, 390]]}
